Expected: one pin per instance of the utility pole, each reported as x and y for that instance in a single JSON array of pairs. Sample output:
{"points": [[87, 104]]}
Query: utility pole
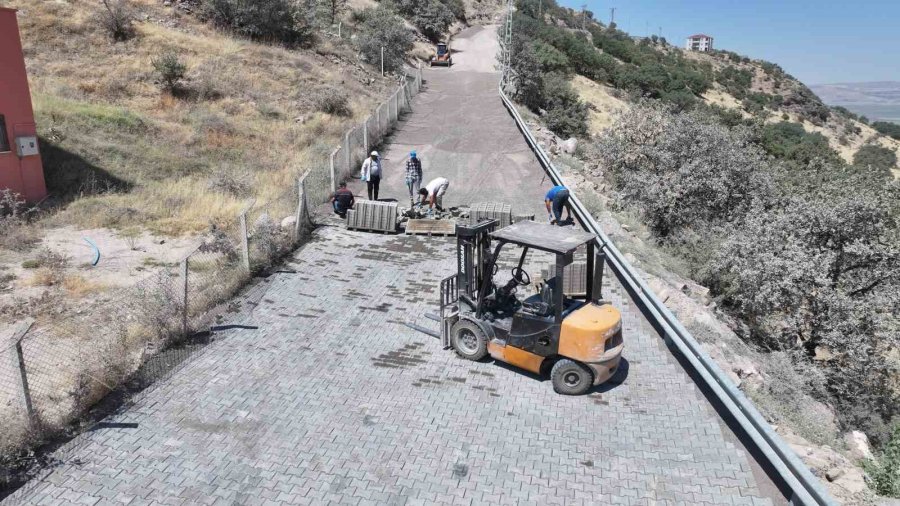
{"points": [[612, 16], [583, 15], [382, 61], [541, 9]]}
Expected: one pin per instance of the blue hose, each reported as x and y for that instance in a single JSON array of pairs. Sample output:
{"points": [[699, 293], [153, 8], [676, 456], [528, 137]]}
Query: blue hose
{"points": [[96, 251]]}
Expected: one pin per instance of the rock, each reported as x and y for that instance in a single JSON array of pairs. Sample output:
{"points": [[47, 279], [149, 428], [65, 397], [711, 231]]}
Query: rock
{"points": [[288, 222], [835, 473], [300, 119], [569, 145], [626, 228], [858, 445], [852, 479], [630, 258], [823, 354]]}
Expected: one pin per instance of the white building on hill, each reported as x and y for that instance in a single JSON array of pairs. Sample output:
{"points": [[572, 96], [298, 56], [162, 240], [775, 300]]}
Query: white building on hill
{"points": [[699, 42]]}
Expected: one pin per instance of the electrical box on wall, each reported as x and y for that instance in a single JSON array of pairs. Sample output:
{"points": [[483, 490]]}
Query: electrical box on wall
{"points": [[26, 146]]}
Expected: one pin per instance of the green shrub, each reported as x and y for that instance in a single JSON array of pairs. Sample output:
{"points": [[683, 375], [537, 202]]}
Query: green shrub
{"points": [[333, 101], [384, 29], [884, 473], [886, 128], [431, 17], [790, 141], [457, 7], [117, 18], [550, 58], [283, 21], [170, 69], [876, 158], [566, 115]]}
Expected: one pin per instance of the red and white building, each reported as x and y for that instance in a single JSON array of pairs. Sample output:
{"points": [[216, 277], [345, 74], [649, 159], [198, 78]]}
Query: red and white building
{"points": [[20, 160], [699, 42]]}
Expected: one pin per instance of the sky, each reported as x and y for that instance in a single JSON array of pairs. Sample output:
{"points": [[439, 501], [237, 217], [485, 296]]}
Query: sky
{"points": [[818, 42]]}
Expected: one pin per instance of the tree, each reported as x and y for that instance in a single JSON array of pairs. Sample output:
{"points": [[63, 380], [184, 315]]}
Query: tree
{"points": [[876, 158], [384, 29], [683, 171], [333, 8], [525, 79]]}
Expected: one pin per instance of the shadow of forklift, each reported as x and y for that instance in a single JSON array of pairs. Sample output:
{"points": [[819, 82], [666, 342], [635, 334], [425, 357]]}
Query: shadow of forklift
{"points": [[577, 339]]}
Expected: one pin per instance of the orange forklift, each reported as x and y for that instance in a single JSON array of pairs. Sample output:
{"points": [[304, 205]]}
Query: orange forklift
{"points": [[441, 56], [576, 340]]}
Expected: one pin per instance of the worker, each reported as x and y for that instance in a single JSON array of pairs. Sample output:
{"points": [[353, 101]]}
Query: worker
{"points": [[556, 200], [342, 200], [371, 174], [413, 176], [433, 193]]}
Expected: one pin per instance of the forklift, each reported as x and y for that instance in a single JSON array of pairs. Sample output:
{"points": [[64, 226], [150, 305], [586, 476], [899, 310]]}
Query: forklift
{"points": [[441, 56], [576, 339]]}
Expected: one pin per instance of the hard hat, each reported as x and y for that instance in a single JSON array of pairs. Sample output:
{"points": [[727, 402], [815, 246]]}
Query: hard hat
{"points": [[374, 153], [412, 154]]}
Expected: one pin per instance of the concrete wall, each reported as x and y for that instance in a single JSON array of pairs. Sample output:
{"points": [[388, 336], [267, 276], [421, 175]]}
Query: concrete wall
{"points": [[23, 175]]}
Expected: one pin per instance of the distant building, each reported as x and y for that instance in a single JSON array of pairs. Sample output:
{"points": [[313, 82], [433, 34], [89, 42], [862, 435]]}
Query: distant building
{"points": [[20, 161], [699, 42]]}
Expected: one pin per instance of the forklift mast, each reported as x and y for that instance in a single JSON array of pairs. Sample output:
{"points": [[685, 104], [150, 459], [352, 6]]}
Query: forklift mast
{"points": [[473, 250]]}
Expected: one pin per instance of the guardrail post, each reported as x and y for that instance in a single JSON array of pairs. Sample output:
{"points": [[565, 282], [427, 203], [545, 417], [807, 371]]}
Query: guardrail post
{"points": [[245, 242], [18, 362], [184, 295]]}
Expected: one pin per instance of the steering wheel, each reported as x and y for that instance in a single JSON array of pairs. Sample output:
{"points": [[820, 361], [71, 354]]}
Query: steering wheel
{"points": [[520, 276]]}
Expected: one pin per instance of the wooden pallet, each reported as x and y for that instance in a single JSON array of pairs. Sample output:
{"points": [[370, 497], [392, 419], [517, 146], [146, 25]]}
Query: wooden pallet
{"points": [[431, 227]]}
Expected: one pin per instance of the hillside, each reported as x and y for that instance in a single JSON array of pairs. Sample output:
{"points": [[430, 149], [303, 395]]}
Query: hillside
{"points": [[766, 219]]}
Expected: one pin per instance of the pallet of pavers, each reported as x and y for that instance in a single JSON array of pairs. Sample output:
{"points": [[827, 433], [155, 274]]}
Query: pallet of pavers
{"points": [[490, 211], [431, 227], [373, 216]]}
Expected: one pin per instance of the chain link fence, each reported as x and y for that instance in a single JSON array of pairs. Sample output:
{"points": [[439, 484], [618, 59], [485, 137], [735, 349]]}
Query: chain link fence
{"points": [[52, 372]]}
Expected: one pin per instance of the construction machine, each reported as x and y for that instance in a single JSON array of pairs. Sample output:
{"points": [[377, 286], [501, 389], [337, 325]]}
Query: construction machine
{"points": [[441, 56], [577, 339]]}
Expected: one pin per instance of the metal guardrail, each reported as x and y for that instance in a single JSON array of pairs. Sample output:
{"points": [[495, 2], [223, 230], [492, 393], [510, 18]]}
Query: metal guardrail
{"points": [[805, 488]]}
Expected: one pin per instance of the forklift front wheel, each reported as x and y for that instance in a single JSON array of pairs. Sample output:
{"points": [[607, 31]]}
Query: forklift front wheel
{"points": [[570, 377], [468, 340]]}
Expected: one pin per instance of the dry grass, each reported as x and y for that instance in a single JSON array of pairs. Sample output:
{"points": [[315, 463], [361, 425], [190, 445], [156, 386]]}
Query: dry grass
{"points": [[603, 105], [133, 156]]}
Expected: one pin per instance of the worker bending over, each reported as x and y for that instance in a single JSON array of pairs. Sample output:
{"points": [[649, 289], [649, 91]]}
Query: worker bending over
{"points": [[556, 200], [371, 174], [342, 200], [433, 193], [413, 176]]}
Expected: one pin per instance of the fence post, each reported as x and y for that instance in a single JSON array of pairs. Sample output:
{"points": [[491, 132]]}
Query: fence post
{"points": [[333, 179], [349, 157], [302, 214], [378, 131], [365, 127], [245, 242], [184, 294], [18, 362]]}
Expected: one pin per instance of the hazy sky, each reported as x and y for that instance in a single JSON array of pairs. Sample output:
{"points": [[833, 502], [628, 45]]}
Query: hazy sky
{"points": [[817, 41]]}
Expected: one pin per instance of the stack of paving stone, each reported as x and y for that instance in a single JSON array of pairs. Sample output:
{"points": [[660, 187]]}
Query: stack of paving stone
{"points": [[373, 216], [491, 211], [574, 277]]}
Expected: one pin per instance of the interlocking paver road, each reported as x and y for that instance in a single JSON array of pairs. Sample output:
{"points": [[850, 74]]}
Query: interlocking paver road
{"points": [[331, 398]]}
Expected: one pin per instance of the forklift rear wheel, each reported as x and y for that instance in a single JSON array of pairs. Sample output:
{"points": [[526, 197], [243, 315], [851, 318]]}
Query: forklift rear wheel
{"points": [[468, 340], [570, 377]]}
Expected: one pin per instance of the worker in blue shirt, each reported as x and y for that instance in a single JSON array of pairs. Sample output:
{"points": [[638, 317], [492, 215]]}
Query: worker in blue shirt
{"points": [[556, 199]]}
